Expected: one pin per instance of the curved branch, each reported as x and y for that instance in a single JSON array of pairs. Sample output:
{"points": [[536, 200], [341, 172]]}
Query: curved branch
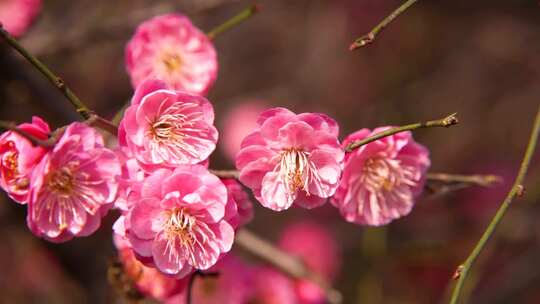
{"points": [[55, 80], [234, 21], [446, 122], [370, 37], [285, 262], [516, 190]]}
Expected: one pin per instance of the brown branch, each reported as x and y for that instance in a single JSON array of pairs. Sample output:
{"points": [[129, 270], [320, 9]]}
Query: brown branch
{"points": [[284, 262], [54, 79], [475, 179], [102, 123], [370, 37], [35, 141], [226, 173]]}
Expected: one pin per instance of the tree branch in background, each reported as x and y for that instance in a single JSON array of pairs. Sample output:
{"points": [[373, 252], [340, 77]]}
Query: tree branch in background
{"points": [[284, 262], [370, 37], [35, 141], [448, 121], [234, 21], [516, 190], [55, 80]]}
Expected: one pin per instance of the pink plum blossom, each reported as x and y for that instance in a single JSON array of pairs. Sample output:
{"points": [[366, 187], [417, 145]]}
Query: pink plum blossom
{"points": [[315, 245], [291, 158], [239, 210], [238, 122], [167, 128], [17, 15], [177, 224], [129, 181], [318, 250], [73, 186], [270, 286], [381, 179], [170, 48], [18, 158], [148, 280]]}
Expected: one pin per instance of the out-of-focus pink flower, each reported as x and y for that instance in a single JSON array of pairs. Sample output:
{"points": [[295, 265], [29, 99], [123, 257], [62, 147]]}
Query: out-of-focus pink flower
{"points": [[17, 15], [172, 49], [238, 122], [73, 186], [291, 158], [148, 280], [18, 157], [270, 286], [309, 293], [315, 245], [167, 128], [177, 224], [381, 179], [231, 286], [318, 249], [239, 210]]}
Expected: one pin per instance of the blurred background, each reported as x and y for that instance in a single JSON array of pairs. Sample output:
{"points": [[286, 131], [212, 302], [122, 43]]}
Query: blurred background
{"points": [[478, 58]]}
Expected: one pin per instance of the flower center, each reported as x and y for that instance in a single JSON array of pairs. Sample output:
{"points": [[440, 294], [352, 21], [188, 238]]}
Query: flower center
{"points": [[172, 62], [384, 174], [295, 169], [168, 127], [61, 181], [10, 161], [179, 228]]}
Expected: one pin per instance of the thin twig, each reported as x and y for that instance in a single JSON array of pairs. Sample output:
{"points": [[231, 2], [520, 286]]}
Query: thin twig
{"points": [[517, 190], [226, 173], [234, 21], [448, 121], [55, 80], [475, 179], [370, 37], [285, 262], [102, 123], [35, 141]]}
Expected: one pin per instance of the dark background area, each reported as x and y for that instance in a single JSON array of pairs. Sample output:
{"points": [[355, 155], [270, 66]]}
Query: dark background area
{"points": [[478, 58]]}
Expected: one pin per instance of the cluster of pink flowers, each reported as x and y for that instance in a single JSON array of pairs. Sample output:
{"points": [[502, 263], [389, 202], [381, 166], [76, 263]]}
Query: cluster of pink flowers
{"points": [[176, 216]]}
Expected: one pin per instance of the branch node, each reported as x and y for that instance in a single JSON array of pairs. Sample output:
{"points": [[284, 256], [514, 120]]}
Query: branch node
{"points": [[520, 190], [458, 272], [451, 120]]}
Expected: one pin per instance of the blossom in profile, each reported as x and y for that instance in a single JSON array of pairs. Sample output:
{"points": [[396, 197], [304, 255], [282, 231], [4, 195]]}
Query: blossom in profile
{"points": [[178, 223], [170, 48], [238, 122], [148, 280], [239, 209], [17, 15], [291, 158], [163, 127], [18, 158], [381, 179], [271, 286], [73, 186]]}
